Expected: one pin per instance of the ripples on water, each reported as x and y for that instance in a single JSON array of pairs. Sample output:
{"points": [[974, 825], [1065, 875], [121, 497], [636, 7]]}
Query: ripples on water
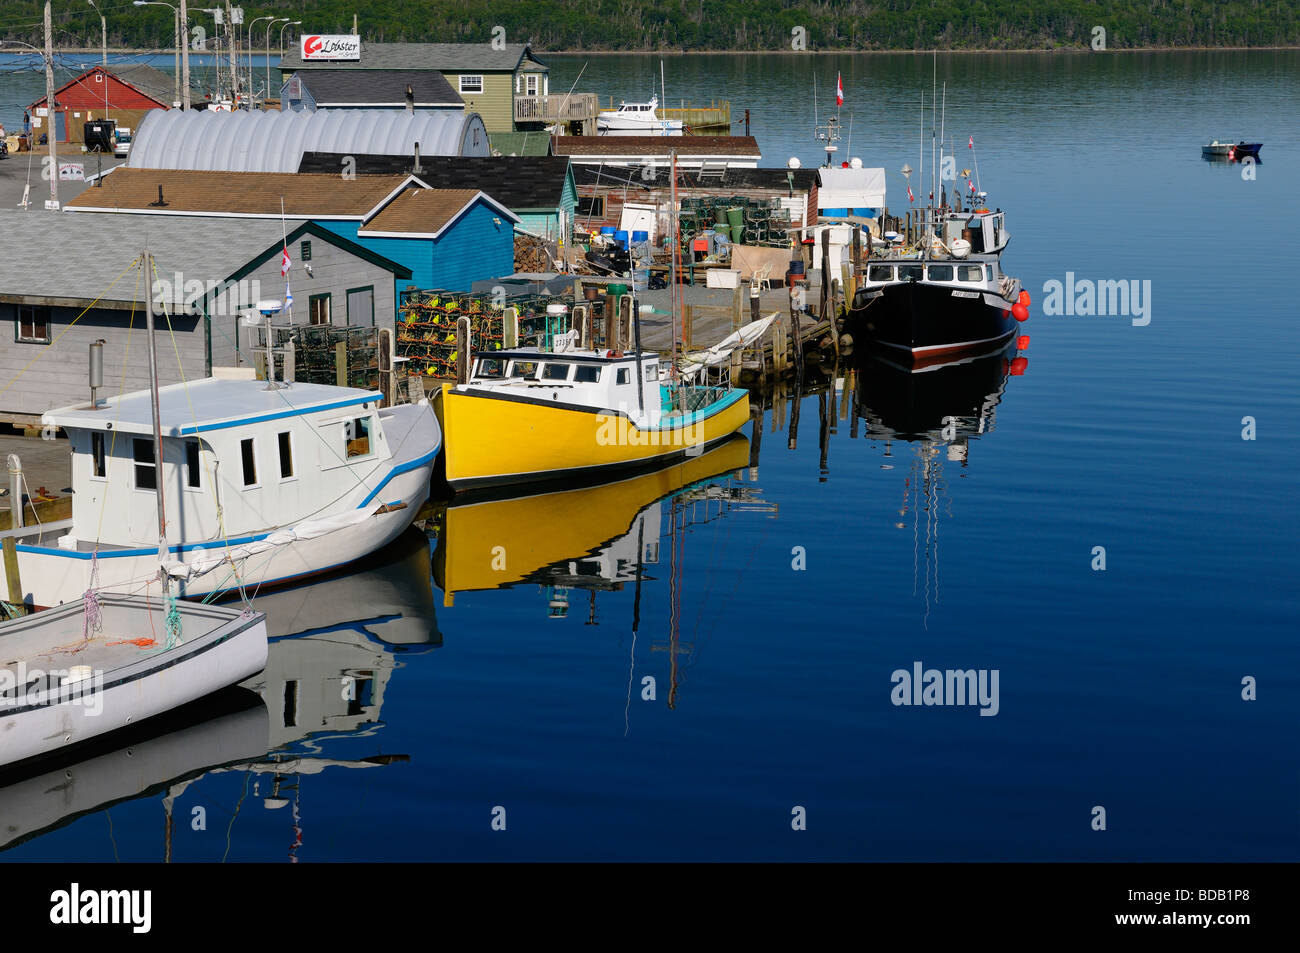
{"points": [[1118, 688]]}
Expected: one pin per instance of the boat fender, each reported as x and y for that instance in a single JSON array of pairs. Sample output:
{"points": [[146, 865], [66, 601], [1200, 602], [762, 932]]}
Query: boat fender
{"points": [[1020, 312]]}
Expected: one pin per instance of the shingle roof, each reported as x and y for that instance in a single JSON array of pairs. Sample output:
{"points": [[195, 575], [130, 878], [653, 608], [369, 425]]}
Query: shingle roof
{"points": [[424, 56], [517, 182], [152, 82], [656, 145], [239, 193], [421, 211], [77, 257], [338, 87]]}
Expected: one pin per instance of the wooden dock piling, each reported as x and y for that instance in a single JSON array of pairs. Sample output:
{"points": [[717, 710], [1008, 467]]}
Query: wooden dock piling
{"points": [[11, 573]]}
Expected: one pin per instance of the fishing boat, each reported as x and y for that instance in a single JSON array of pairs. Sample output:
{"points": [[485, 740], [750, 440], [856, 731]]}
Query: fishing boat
{"points": [[637, 119], [87, 668], [534, 414], [1231, 150], [942, 295]]}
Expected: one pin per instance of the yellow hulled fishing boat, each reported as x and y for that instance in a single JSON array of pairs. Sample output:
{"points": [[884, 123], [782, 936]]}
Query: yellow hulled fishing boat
{"points": [[494, 543], [533, 415]]}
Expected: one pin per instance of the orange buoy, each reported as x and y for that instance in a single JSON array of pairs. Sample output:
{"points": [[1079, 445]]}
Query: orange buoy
{"points": [[1018, 366], [1020, 312], [1022, 342], [1024, 298]]}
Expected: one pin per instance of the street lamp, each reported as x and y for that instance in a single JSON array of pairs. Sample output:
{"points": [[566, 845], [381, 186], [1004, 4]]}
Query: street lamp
{"points": [[266, 60], [176, 37], [103, 31], [255, 21], [282, 29]]}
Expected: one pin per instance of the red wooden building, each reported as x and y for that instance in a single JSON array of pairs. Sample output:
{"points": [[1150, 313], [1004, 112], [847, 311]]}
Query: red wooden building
{"points": [[125, 93]]}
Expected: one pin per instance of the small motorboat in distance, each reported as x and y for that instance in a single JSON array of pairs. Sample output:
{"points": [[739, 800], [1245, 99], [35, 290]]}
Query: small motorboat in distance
{"points": [[1231, 150], [94, 665], [637, 119]]}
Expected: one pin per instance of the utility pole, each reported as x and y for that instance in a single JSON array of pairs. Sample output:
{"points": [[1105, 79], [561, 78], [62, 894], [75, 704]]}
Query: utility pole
{"points": [[52, 131], [103, 31], [185, 56]]}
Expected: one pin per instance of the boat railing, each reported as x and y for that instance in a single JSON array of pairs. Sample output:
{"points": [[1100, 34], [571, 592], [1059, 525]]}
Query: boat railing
{"points": [[688, 398]]}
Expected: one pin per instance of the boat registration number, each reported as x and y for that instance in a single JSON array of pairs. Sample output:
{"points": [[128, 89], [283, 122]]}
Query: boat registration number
{"points": [[965, 294]]}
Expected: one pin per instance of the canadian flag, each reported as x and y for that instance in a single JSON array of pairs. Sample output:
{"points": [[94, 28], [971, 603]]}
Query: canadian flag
{"points": [[971, 144], [285, 262], [839, 91], [971, 184], [910, 196]]}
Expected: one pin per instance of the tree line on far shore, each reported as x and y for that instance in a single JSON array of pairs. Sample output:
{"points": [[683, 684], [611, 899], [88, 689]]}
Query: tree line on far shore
{"points": [[700, 25]]}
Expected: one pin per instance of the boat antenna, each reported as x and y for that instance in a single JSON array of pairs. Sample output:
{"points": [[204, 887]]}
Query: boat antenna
{"points": [[943, 118], [571, 89], [663, 89], [676, 251], [934, 78], [146, 260]]}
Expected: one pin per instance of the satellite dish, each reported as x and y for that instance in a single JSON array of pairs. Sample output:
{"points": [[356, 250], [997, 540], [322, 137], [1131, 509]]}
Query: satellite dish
{"points": [[269, 306], [794, 162]]}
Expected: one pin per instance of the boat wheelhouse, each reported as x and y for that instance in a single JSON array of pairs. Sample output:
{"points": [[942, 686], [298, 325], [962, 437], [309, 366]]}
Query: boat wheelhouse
{"points": [[277, 482], [531, 415]]}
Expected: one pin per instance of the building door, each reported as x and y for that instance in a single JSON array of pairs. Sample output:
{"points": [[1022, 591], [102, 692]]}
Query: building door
{"points": [[61, 126]]}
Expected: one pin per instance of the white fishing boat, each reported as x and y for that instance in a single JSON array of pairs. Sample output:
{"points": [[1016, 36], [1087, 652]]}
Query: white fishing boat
{"points": [[637, 119], [93, 666]]}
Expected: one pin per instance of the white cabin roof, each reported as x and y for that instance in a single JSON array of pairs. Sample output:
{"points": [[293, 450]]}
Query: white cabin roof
{"points": [[208, 404]]}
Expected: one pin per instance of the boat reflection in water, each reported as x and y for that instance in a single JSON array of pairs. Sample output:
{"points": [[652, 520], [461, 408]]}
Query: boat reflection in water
{"points": [[334, 647], [937, 413], [592, 538]]}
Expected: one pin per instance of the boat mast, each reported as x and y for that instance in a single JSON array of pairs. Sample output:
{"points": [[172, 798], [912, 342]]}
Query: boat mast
{"points": [[676, 250], [147, 261]]}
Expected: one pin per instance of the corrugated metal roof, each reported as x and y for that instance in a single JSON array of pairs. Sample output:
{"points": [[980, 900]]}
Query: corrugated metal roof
{"points": [[77, 257], [660, 178], [244, 141], [239, 193], [518, 182], [449, 57], [337, 87]]}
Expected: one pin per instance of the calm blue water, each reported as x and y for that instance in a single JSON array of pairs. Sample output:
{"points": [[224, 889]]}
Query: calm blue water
{"points": [[1119, 689]]}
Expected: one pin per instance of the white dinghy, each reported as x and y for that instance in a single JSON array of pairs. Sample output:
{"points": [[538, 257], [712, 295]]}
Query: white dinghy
{"points": [[87, 668]]}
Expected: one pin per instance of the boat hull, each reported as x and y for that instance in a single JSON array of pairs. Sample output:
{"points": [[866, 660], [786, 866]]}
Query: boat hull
{"points": [[920, 324], [494, 439], [219, 647]]}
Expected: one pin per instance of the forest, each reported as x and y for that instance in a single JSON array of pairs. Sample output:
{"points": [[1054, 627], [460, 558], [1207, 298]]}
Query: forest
{"points": [[703, 25]]}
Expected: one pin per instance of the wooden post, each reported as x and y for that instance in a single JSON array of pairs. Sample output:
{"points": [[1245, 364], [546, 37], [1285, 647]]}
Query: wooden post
{"points": [[795, 403], [510, 327], [826, 268], [756, 441], [796, 335], [462, 350], [779, 347], [844, 395], [387, 378], [824, 433], [11, 553], [341, 364]]}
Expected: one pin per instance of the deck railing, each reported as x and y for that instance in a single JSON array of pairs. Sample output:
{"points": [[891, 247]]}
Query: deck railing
{"points": [[555, 108]]}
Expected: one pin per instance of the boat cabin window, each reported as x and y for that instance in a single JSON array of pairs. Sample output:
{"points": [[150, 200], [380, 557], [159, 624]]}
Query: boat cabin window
{"points": [[624, 376], [491, 368], [248, 458], [586, 374], [284, 442], [881, 273], [940, 272], [970, 273], [988, 272], [357, 432], [524, 369], [146, 473], [651, 372], [192, 465], [97, 454], [909, 272], [556, 372]]}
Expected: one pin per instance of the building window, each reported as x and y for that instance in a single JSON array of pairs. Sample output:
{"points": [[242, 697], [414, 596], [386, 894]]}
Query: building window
{"points": [[471, 83], [285, 441], [357, 432], [320, 309], [304, 251], [361, 306], [530, 84], [33, 325], [98, 462], [192, 464], [146, 471], [249, 459], [591, 206]]}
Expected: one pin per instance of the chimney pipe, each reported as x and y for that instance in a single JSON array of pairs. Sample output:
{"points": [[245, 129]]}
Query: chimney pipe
{"points": [[416, 168], [96, 371]]}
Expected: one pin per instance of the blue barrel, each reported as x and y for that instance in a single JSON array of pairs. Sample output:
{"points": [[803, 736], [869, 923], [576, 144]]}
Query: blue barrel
{"points": [[620, 236], [639, 237], [607, 229]]}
